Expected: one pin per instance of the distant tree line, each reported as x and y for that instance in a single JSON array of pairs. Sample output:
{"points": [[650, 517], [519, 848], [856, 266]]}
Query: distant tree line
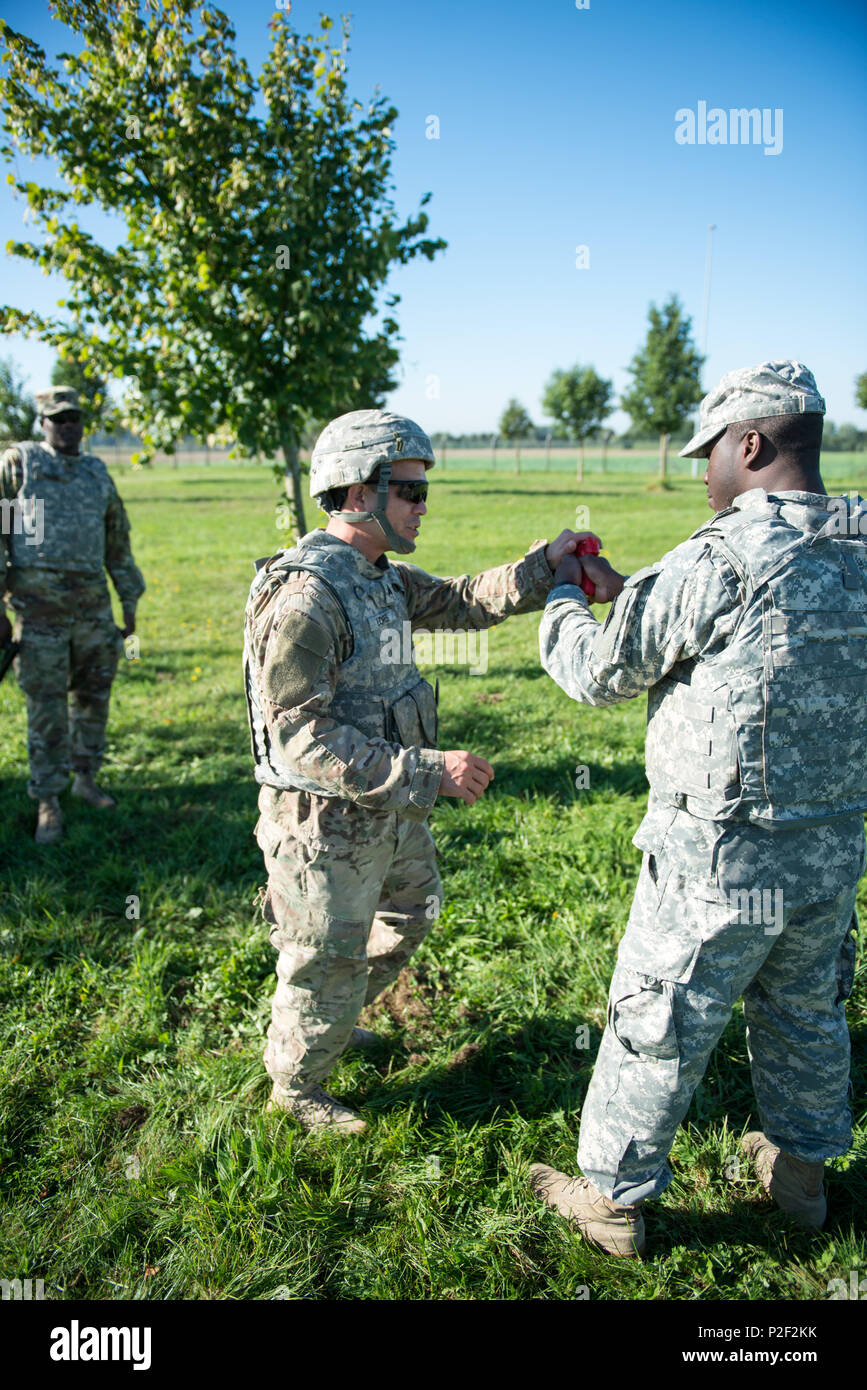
{"points": [[660, 401], [576, 399]]}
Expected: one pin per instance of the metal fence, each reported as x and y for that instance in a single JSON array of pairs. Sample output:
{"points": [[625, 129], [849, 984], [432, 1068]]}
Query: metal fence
{"points": [[531, 458]]}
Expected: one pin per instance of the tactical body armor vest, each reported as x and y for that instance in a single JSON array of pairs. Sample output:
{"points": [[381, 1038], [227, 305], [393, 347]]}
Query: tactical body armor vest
{"points": [[380, 690], [63, 505], [773, 728]]}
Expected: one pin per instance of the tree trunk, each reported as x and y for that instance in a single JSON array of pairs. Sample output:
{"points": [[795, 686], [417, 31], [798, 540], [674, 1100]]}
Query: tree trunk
{"points": [[517, 457], [580, 460], [292, 476], [663, 455], [604, 447], [547, 453]]}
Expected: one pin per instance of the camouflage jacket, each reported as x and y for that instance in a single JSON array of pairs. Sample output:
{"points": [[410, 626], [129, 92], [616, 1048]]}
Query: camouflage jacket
{"points": [[28, 571], [675, 631], [298, 637]]}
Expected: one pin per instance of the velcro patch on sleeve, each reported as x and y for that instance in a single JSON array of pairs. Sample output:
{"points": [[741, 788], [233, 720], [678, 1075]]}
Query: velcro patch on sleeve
{"points": [[294, 659]]}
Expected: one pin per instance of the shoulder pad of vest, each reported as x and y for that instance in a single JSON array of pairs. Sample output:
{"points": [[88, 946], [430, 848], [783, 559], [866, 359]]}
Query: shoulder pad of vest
{"points": [[707, 527], [639, 576]]}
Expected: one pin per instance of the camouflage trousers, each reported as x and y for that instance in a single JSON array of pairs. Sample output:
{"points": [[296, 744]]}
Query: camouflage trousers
{"points": [[351, 896], [690, 950], [65, 668]]}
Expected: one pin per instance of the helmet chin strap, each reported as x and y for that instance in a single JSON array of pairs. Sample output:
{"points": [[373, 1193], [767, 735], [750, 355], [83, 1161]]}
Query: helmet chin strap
{"points": [[395, 542]]}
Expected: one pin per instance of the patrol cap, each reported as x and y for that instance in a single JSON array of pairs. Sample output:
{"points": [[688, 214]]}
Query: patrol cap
{"points": [[350, 447], [748, 393], [57, 399]]}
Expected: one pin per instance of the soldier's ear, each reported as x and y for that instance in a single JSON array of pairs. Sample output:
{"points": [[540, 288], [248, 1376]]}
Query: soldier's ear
{"points": [[751, 445], [355, 499]]}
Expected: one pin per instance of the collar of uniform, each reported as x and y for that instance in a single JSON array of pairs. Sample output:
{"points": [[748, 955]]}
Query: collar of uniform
{"points": [[55, 453], [757, 497], [368, 568]]}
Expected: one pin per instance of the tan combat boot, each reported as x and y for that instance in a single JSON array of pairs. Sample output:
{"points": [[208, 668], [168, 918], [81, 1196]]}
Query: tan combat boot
{"points": [[795, 1186], [84, 786], [49, 824], [617, 1228], [317, 1110], [363, 1037]]}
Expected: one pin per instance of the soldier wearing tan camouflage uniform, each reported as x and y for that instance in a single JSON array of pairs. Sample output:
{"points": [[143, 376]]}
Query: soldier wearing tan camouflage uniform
{"points": [[344, 734], [751, 639], [66, 525]]}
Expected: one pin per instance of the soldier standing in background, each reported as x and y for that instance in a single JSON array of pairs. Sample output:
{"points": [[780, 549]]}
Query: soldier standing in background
{"points": [[751, 638], [344, 733], [67, 525]]}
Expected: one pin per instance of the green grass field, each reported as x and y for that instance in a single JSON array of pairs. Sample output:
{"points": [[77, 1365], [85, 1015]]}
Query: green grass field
{"points": [[135, 1159]]}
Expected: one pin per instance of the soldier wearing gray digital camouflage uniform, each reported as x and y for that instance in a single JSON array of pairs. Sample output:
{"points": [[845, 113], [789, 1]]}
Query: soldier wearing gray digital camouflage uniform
{"points": [[344, 733], [64, 524], [751, 639]]}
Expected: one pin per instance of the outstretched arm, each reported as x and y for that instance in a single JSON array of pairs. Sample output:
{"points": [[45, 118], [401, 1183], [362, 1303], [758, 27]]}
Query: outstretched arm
{"points": [[487, 598], [682, 606]]}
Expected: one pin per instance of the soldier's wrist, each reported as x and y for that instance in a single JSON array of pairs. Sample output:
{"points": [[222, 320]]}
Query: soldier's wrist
{"points": [[425, 785], [540, 576]]}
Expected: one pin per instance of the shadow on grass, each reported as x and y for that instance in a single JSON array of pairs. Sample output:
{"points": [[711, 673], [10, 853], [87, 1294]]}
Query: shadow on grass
{"points": [[555, 778], [191, 839], [534, 1069], [538, 1071]]}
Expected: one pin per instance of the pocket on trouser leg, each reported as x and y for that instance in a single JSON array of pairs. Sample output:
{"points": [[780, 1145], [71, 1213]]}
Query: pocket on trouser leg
{"points": [[641, 1017], [96, 648], [666, 921], [42, 663]]}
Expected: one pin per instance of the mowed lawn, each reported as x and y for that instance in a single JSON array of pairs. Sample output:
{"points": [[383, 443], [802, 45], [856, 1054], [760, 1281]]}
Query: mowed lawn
{"points": [[136, 974]]}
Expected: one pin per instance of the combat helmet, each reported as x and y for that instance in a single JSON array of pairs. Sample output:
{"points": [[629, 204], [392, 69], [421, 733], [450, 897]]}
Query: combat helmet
{"points": [[352, 446]]}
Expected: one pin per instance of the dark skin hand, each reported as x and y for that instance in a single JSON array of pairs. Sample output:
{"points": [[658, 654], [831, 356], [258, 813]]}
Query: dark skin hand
{"points": [[606, 579]]}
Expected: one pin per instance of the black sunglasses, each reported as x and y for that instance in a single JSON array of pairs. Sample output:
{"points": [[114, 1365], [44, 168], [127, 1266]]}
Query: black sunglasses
{"points": [[410, 492], [66, 417]]}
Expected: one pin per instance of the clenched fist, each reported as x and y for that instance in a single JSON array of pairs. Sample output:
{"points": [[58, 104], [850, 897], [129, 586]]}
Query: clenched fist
{"points": [[566, 544], [464, 775], [607, 582]]}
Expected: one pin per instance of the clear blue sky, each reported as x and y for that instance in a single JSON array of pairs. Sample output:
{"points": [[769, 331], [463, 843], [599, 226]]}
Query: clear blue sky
{"points": [[557, 129]]}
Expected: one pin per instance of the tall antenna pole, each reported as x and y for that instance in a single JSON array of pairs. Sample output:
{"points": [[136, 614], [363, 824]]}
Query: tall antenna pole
{"points": [[708, 261]]}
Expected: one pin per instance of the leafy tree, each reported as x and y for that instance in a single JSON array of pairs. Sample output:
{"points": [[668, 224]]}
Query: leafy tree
{"points": [[241, 300], [861, 390], [848, 437], [665, 375], [17, 408], [578, 400], [515, 424]]}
